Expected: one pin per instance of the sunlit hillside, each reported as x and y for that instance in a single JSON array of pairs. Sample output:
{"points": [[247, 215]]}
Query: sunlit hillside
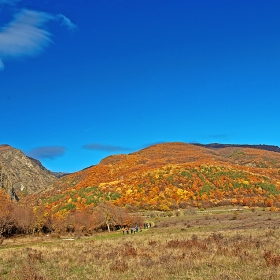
{"points": [[170, 176], [252, 157]]}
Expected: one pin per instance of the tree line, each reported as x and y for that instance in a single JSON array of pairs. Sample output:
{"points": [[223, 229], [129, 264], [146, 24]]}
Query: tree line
{"points": [[17, 218]]}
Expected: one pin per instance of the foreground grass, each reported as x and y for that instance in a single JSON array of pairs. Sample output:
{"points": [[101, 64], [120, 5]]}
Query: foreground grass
{"points": [[196, 247]]}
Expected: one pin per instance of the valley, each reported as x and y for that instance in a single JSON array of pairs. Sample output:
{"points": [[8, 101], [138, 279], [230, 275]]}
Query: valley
{"points": [[222, 244]]}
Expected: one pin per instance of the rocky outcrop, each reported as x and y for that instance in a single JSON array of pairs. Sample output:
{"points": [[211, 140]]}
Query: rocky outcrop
{"points": [[22, 175]]}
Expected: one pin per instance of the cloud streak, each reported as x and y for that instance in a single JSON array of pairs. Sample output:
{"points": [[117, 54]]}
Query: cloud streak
{"points": [[24, 36], [49, 152], [104, 148], [64, 21]]}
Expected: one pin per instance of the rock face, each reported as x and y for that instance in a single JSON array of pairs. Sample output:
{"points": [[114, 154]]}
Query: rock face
{"points": [[20, 174]]}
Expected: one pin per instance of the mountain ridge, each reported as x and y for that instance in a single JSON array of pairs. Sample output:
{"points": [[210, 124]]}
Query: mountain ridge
{"points": [[171, 175], [116, 175], [272, 148], [21, 174]]}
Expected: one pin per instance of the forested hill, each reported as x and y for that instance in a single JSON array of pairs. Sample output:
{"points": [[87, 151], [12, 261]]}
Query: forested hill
{"points": [[171, 175], [271, 148]]}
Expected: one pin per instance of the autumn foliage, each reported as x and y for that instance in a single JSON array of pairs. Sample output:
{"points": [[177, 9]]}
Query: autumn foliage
{"points": [[161, 177], [15, 218]]}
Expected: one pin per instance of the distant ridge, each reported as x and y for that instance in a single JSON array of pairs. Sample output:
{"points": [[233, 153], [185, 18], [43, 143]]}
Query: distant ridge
{"points": [[270, 148]]}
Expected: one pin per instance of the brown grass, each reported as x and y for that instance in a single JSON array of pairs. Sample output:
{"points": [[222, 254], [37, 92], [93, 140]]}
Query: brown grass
{"points": [[210, 249]]}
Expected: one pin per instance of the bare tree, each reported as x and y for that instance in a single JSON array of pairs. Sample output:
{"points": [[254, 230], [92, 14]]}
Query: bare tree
{"points": [[24, 218], [7, 223], [109, 215]]}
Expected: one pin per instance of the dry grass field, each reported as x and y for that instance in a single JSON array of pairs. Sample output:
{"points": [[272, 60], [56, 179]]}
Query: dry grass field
{"points": [[223, 245]]}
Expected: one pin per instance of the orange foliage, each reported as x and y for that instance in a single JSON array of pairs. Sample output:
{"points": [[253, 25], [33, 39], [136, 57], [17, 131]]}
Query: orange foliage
{"points": [[172, 174]]}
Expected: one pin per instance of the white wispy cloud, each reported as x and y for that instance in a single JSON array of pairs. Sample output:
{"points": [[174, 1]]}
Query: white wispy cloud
{"points": [[64, 21], [104, 148], [24, 36]]}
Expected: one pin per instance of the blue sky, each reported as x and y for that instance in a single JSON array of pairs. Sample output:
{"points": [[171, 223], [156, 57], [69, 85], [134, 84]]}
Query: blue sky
{"points": [[81, 80]]}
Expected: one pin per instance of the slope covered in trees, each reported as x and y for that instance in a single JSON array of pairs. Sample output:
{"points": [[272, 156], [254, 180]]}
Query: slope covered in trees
{"points": [[161, 177], [169, 176]]}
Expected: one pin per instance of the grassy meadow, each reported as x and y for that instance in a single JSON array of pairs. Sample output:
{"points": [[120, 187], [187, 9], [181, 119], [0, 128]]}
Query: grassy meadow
{"points": [[222, 244]]}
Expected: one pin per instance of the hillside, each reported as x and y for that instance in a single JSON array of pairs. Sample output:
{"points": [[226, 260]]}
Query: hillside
{"points": [[20, 174], [264, 156], [171, 175], [271, 148]]}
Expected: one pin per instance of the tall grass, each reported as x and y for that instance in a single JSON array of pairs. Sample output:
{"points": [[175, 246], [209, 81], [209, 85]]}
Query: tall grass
{"points": [[159, 253]]}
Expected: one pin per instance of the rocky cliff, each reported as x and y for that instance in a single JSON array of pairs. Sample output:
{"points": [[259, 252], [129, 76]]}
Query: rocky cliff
{"points": [[21, 175]]}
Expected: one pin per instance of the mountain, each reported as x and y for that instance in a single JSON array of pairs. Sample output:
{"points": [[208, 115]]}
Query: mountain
{"points": [[171, 175], [60, 174], [119, 166], [264, 156], [21, 175], [271, 148]]}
